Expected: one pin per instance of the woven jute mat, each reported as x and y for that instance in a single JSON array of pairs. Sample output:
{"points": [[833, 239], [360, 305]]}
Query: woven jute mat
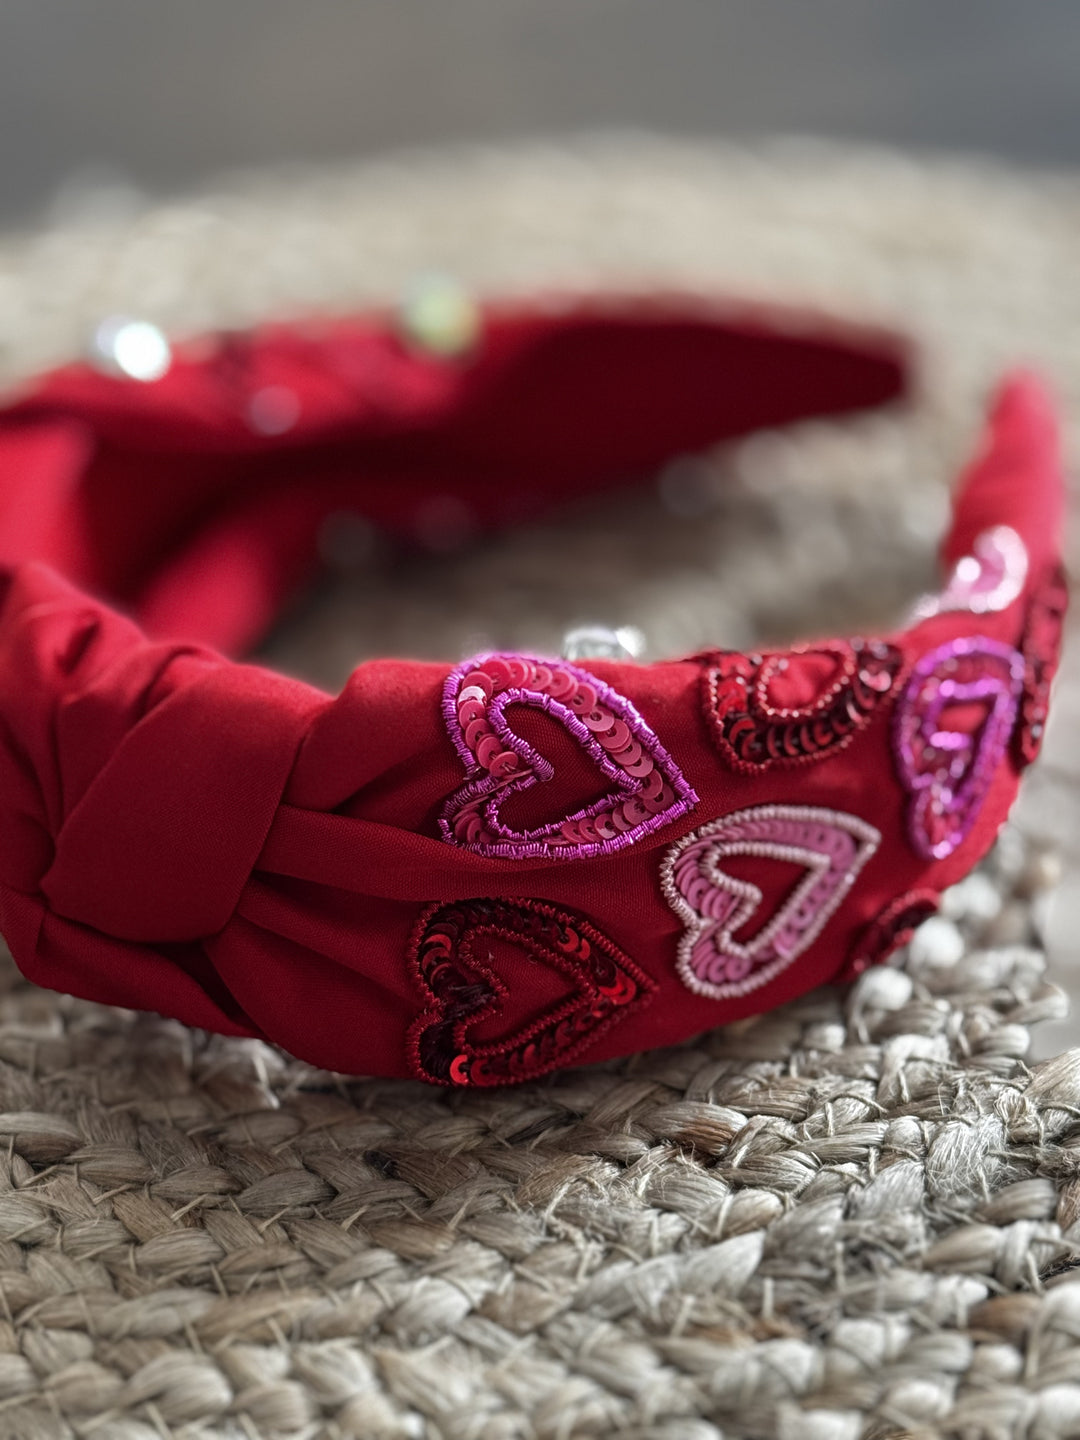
{"points": [[857, 1216]]}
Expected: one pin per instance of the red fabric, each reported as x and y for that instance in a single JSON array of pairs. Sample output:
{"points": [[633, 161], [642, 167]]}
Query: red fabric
{"points": [[182, 833]]}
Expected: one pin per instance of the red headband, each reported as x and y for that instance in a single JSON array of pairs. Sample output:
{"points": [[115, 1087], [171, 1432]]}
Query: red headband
{"points": [[480, 873]]}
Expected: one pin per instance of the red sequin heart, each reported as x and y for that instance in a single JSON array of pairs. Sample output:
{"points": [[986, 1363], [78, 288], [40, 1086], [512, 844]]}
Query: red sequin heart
{"points": [[453, 957], [799, 705]]}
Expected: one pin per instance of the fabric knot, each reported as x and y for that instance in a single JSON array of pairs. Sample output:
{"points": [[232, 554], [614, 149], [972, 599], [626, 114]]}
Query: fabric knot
{"points": [[163, 840]]}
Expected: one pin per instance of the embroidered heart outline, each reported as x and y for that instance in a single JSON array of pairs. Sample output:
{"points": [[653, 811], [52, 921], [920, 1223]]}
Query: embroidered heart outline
{"points": [[648, 790], [831, 845], [753, 733], [463, 989], [948, 773]]}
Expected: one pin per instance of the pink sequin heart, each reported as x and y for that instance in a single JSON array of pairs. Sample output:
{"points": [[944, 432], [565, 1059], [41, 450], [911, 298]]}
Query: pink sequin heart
{"points": [[646, 789], [714, 905], [988, 579], [949, 770]]}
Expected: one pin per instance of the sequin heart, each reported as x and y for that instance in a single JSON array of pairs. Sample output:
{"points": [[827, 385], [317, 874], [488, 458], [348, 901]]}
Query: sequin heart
{"points": [[803, 704], [646, 789], [715, 905], [952, 727], [453, 958]]}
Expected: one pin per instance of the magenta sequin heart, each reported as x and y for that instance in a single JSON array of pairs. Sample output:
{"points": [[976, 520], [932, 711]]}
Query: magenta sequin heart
{"points": [[948, 765], [714, 905], [646, 788]]}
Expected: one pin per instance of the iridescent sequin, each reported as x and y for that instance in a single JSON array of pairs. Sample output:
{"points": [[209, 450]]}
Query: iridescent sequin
{"points": [[715, 906], [644, 788]]}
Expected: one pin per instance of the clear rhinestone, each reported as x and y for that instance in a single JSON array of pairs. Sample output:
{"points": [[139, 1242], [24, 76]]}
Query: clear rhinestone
{"points": [[440, 316], [133, 348], [599, 642]]}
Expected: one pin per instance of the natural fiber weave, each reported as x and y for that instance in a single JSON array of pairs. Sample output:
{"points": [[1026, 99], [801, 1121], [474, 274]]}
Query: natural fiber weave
{"points": [[849, 1211], [850, 1218]]}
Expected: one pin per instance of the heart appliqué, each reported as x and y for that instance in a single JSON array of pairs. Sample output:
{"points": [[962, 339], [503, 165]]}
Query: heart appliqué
{"points": [[714, 905], [452, 957], [647, 789], [949, 770], [803, 704]]}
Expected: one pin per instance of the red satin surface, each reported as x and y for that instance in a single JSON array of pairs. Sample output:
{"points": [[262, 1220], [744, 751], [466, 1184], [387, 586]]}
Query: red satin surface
{"points": [[182, 833]]}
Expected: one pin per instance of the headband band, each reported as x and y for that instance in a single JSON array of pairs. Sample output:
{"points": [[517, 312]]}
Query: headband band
{"points": [[477, 873]]}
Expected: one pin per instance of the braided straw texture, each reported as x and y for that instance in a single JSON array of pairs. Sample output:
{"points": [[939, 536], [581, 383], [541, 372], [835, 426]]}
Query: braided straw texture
{"points": [[855, 1217]]}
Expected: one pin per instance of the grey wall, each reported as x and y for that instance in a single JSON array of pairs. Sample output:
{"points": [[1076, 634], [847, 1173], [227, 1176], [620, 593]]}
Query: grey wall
{"points": [[165, 93]]}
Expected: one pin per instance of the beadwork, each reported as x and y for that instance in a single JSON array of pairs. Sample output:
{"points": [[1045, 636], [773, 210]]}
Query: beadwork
{"points": [[948, 771], [847, 682], [452, 960], [714, 906], [1040, 647], [646, 788]]}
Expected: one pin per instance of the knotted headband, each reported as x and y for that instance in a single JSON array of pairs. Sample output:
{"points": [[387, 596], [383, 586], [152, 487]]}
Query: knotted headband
{"points": [[475, 873]]}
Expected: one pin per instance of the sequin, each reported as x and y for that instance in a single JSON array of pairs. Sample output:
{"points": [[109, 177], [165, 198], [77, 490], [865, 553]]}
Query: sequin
{"points": [[715, 906], [561, 685], [479, 680], [645, 788], [847, 682], [476, 729], [497, 672], [451, 956], [488, 747], [471, 710], [641, 767], [583, 699], [616, 737]]}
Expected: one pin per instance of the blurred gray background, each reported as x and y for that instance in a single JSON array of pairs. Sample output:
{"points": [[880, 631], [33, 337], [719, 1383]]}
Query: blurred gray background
{"points": [[160, 95]]}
